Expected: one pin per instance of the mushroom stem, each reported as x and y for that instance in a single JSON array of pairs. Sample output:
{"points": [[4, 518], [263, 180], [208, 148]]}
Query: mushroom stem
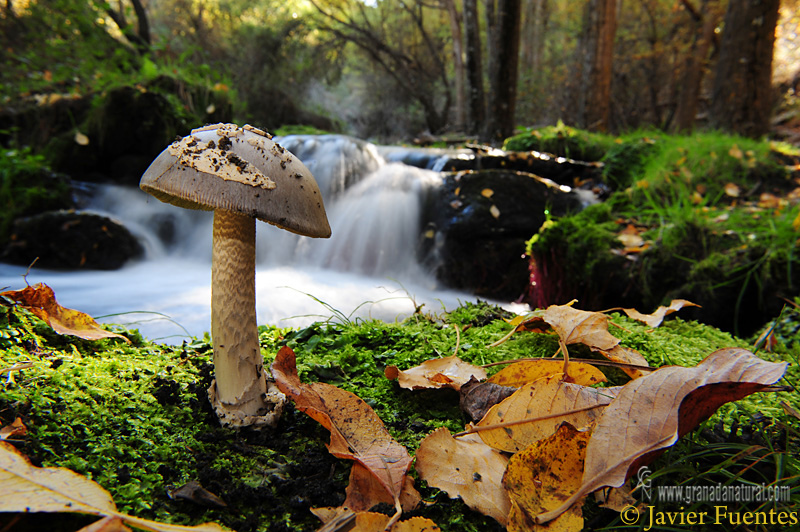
{"points": [[240, 393]]}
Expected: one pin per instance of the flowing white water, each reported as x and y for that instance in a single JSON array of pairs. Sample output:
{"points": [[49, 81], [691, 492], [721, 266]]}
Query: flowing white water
{"points": [[367, 269]]}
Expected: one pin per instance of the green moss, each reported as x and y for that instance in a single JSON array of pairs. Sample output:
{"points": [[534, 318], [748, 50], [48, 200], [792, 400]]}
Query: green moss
{"points": [[135, 418], [562, 140]]}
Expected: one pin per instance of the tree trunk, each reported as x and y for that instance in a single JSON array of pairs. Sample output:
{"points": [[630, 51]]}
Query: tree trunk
{"points": [[695, 64], [596, 53], [458, 64], [476, 104], [503, 28], [742, 97]]}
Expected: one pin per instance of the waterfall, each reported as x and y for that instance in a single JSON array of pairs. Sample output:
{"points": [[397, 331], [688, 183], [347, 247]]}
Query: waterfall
{"points": [[368, 267]]}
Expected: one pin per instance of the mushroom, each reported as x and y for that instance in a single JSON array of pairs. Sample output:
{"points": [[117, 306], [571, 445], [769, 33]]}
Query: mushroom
{"points": [[240, 174]]}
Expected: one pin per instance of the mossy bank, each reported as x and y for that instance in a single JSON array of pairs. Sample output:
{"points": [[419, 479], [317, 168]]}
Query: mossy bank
{"points": [[135, 417]]}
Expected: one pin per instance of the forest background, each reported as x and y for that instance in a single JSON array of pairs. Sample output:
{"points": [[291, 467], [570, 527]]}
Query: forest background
{"points": [[390, 70]]}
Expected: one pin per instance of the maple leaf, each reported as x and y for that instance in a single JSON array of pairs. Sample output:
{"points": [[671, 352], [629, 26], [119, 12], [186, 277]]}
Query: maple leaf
{"points": [[543, 476], [655, 319], [357, 433], [40, 300], [446, 372], [650, 414], [466, 468], [26, 488], [537, 409]]}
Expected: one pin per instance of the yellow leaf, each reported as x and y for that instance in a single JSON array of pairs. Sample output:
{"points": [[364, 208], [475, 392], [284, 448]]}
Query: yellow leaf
{"points": [[535, 411], [487, 192], [543, 476], [526, 371], [26, 488], [40, 300], [732, 190], [465, 468]]}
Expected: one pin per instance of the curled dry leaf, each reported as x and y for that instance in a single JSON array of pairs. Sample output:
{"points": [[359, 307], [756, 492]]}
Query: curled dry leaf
{"points": [[40, 300], [357, 433], [543, 476], [466, 468], [16, 429], [655, 319], [365, 491], [537, 409], [447, 372], [527, 371], [651, 413], [106, 524], [576, 326], [476, 398], [26, 488]]}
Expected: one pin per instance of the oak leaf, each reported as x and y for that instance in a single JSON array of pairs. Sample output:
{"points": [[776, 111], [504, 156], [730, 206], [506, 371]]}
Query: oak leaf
{"points": [[526, 371], [40, 300], [543, 476], [357, 433], [447, 372], [655, 319], [466, 468], [650, 414], [26, 488], [537, 409]]}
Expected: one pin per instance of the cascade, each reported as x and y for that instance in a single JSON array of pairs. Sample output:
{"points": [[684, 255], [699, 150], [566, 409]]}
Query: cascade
{"points": [[368, 268]]}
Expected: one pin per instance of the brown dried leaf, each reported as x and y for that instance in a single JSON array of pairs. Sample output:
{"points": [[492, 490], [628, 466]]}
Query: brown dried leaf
{"points": [[357, 433], [476, 398], [651, 413], [580, 327], [339, 519], [465, 468], [16, 428], [194, 492], [364, 491], [655, 319], [41, 301], [536, 410], [625, 355], [26, 488], [527, 371], [543, 476], [447, 372]]}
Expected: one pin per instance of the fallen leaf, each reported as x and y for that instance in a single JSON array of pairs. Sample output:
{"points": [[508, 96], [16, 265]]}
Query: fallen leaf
{"points": [[732, 190], [26, 488], [194, 492], [527, 371], [447, 372], [655, 319], [494, 211], [629, 356], [735, 152], [476, 398], [536, 410], [339, 519], [364, 491], [652, 412], [576, 326], [487, 192], [357, 433], [543, 476], [16, 428], [40, 300], [106, 524], [81, 139], [466, 468], [631, 237]]}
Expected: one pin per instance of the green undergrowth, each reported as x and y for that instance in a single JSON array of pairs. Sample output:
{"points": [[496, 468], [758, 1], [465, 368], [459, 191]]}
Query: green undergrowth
{"points": [[135, 417]]}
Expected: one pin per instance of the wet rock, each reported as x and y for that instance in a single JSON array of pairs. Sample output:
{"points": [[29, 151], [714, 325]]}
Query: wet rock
{"points": [[71, 240], [480, 221]]}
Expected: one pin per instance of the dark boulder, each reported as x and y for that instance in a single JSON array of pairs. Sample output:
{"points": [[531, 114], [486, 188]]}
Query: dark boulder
{"points": [[479, 223], [71, 240]]}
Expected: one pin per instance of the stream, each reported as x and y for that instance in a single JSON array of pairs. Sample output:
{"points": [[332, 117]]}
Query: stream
{"points": [[368, 269]]}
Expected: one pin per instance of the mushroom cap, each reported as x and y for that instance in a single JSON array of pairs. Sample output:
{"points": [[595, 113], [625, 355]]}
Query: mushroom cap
{"points": [[223, 166]]}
